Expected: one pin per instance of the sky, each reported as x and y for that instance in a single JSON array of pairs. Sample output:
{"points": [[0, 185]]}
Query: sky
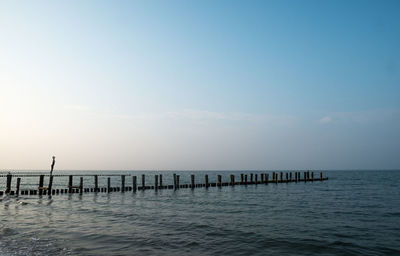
{"points": [[199, 85]]}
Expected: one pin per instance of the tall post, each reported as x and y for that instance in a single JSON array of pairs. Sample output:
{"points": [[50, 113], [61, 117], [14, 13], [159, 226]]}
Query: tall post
{"points": [[305, 176], [219, 181], [312, 176], [241, 179], [232, 180], [287, 177], [245, 179], [256, 178], [134, 184], [320, 176], [192, 180], [108, 185], [81, 186], [96, 183], [290, 176], [206, 180], [251, 178], [9, 178], [175, 181], [69, 184], [156, 182], [122, 183], [50, 184], [262, 177], [266, 178], [143, 182], [18, 184], [41, 181], [161, 185]]}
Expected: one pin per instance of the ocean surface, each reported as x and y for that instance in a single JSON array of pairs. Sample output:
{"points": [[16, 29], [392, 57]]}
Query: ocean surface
{"points": [[352, 213]]}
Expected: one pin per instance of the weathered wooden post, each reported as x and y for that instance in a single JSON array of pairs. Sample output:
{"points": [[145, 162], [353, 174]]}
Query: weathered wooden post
{"points": [[245, 179], [219, 181], [8, 188], [122, 183], [96, 183], [266, 178], [49, 188], [18, 184], [80, 186], [256, 178], [206, 180], [287, 177], [232, 180], [273, 177], [143, 182], [108, 185], [320, 176], [241, 179], [134, 184], [262, 178], [192, 180], [312, 176], [251, 178], [70, 183], [290, 176], [41, 181], [156, 182], [305, 176], [161, 185], [177, 181]]}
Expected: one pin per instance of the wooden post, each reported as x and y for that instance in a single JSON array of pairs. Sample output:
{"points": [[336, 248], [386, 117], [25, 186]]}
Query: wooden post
{"points": [[18, 184], [96, 183], [290, 176], [80, 186], [262, 177], [206, 180], [320, 176], [305, 176], [192, 180], [122, 183], [156, 182], [251, 178], [241, 178], [134, 184], [143, 182], [41, 181], [256, 178], [245, 179], [161, 185], [266, 178], [232, 180], [273, 176], [49, 188], [70, 184], [308, 175], [9, 178], [177, 181], [312, 176], [108, 185], [219, 181], [287, 177]]}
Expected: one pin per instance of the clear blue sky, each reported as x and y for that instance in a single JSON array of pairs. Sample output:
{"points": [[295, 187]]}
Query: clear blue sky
{"points": [[200, 84]]}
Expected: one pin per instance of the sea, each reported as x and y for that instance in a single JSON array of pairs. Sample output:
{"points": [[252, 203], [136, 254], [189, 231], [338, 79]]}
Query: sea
{"points": [[352, 213]]}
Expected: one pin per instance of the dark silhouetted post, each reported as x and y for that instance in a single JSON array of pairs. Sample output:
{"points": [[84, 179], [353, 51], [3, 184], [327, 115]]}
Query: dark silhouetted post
{"points": [[161, 185], [241, 179], [108, 185], [70, 184], [143, 182], [251, 178], [9, 178], [18, 184], [134, 183], [320, 176], [262, 177], [41, 181], [81, 186], [122, 183], [232, 180], [256, 178], [192, 180], [312, 176], [177, 181], [245, 179], [156, 182], [287, 177], [266, 178], [96, 183], [305, 176], [290, 176], [206, 180], [219, 181]]}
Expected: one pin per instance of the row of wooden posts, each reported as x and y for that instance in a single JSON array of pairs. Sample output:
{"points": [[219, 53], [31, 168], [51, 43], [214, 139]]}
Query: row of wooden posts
{"points": [[158, 183]]}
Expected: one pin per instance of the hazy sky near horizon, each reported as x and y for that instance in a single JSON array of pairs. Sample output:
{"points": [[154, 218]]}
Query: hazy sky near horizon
{"points": [[200, 84]]}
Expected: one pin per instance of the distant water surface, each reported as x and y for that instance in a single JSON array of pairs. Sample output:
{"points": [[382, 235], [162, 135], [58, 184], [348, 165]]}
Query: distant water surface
{"points": [[353, 213]]}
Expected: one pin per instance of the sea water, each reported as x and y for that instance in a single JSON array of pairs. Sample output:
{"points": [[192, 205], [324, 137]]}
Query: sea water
{"points": [[352, 213]]}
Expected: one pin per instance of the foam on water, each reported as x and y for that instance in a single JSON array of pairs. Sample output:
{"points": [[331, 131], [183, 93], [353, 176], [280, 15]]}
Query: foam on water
{"points": [[352, 213]]}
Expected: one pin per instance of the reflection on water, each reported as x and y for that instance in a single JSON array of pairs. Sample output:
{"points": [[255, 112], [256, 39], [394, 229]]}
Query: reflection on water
{"points": [[352, 213]]}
